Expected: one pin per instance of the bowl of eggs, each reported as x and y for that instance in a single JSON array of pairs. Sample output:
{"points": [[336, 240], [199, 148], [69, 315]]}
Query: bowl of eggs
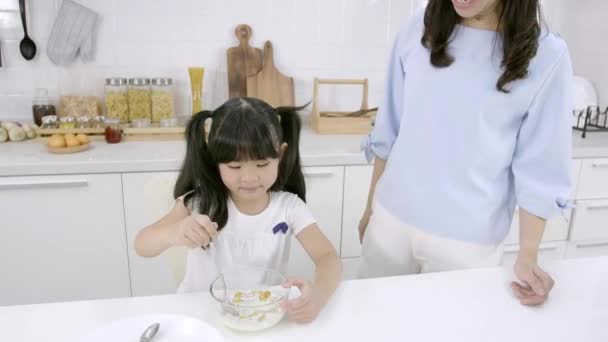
{"points": [[68, 143]]}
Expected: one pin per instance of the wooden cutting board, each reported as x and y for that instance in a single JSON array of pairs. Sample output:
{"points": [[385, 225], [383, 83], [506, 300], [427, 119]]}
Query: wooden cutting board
{"points": [[270, 84], [243, 61]]}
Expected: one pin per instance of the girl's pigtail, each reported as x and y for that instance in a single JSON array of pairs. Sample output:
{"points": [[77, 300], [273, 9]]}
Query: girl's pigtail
{"points": [[290, 169]]}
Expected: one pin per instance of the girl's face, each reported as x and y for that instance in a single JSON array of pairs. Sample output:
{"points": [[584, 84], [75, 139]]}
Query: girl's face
{"points": [[481, 10], [250, 179]]}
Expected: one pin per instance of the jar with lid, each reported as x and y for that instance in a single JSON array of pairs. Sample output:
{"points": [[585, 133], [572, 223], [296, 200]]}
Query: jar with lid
{"points": [[98, 122], [42, 106], [67, 122], [49, 122], [162, 99], [83, 122], [116, 99], [113, 131], [139, 98]]}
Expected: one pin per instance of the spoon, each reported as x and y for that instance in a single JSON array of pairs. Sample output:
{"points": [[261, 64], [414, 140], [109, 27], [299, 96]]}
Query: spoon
{"points": [[27, 46], [149, 333]]}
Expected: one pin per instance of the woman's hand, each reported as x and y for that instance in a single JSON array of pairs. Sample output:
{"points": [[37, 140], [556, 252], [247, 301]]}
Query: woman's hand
{"points": [[193, 231], [537, 283], [305, 308], [363, 224]]}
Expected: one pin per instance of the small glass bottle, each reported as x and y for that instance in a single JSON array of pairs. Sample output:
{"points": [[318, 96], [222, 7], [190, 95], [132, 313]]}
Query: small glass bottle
{"points": [[113, 132], [67, 122], [49, 122], [42, 106]]}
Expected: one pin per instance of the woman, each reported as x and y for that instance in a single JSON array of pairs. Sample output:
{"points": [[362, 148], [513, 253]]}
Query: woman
{"points": [[475, 121]]}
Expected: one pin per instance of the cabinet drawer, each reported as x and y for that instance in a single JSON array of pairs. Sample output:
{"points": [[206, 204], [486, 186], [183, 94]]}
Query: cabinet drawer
{"points": [[590, 220], [587, 249], [547, 251], [63, 239], [594, 179]]}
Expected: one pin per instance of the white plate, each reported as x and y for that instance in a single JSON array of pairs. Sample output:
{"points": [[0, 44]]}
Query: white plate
{"points": [[173, 328], [584, 93]]}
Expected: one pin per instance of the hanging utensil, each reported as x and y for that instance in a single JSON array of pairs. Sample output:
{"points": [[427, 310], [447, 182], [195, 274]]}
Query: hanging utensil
{"points": [[27, 45]]}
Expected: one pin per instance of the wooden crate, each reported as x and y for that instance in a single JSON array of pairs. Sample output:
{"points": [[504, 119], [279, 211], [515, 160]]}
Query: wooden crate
{"points": [[328, 122]]}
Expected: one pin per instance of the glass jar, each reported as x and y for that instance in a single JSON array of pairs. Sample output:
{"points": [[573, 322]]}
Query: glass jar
{"points": [[49, 122], [162, 99], [42, 106], [83, 122], [98, 122], [139, 98], [140, 123], [116, 99], [67, 122], [113, 132]]}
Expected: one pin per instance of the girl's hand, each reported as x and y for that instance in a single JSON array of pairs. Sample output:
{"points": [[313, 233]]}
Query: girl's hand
{"points": [[537, 283], [305, 308], [194, 231], [363, 224]]}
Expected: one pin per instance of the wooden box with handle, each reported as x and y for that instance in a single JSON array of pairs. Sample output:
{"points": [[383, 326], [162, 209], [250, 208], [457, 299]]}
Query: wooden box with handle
{"points": [[357, 122]]}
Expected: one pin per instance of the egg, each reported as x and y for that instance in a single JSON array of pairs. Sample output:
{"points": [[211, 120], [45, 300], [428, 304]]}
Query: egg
{"points": [[71, 141], [56, 141], [70, 136], [82, 138]]}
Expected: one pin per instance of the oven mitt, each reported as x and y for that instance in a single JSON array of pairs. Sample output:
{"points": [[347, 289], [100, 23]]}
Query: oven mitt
{"points": [[73, 33]]}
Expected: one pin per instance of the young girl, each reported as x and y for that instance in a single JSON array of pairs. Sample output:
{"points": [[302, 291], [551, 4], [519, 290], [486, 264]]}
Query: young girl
{"points": [[242, 188], [476, 120]]}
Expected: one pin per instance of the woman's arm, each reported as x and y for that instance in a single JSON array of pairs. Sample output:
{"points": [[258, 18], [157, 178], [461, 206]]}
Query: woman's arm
{"points": [[177, 228], [328, 273], [379, 165]]}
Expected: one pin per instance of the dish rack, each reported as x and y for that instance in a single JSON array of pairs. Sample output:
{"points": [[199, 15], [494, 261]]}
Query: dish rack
{"points": [[590, 119]]}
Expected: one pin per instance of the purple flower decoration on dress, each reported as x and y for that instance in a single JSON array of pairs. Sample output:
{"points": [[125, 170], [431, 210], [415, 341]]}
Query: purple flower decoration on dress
{"points": [[281, 227]]}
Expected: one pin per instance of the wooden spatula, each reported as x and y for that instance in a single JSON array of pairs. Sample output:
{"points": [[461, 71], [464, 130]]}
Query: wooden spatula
{"points": [[270, 84], [243, 61]]}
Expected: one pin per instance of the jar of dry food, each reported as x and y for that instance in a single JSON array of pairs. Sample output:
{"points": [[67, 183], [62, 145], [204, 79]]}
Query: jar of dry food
{"points": [[116, 99], [162, 99], [139, 98]]}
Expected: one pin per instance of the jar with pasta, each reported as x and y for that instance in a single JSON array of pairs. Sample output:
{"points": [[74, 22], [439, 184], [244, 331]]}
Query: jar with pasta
{"points": [[139, 98], [116, 100], [162, 99]]}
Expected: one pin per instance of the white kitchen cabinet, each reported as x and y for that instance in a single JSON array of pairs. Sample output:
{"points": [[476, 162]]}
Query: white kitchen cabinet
{"points": [[148, 196], [547, 252], [356, 188], [63, 239], [350, 268], [324, 186], [590, 220], [593, 179], [586, 249]]}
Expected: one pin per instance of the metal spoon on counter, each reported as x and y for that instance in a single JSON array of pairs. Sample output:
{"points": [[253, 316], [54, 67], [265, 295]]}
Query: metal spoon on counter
{"points": [[27, 45], [149, 333]]}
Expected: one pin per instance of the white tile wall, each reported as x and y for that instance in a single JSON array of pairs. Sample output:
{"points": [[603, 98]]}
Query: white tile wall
{"points": [[312, 38]]}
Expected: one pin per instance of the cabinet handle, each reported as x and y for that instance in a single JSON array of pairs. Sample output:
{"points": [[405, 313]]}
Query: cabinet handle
{"points": [[515, 249], [44, 184], [600, 165], [591, 244], [598, 207], [318, 173]]}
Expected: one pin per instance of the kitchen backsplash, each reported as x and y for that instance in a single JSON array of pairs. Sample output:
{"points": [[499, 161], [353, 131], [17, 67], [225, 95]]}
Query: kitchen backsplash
{"points": [[312, 38]]}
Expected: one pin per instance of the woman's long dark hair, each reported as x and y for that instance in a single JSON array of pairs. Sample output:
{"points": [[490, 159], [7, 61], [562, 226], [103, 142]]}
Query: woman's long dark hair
{"points": [[518, 26], [241, 129]]}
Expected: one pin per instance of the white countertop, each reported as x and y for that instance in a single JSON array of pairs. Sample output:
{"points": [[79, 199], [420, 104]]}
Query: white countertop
{"points": [[31, 157], [474, 305]]}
